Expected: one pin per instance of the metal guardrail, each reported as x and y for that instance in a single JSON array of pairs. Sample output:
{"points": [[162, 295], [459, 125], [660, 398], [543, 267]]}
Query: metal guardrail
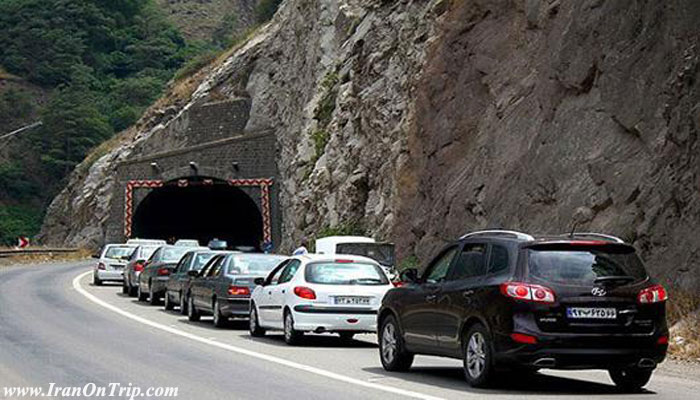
{"points": [[15, 252]]}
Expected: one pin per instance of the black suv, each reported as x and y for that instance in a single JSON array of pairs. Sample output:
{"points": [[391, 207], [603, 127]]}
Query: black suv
{"points": [[505, 300]]}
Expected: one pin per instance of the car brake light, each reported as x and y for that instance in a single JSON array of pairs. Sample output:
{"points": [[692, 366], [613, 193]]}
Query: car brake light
{"points": [[652, 294], [523, 338], [343, 261], [101, 266], [398, 283], [238, 291], [305, 293], [138, 267], [588, 242], [662, 340], [528, 292], [163, 272]]}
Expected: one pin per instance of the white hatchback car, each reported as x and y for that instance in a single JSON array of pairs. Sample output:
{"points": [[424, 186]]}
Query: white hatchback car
{"points": [[319, 293]]}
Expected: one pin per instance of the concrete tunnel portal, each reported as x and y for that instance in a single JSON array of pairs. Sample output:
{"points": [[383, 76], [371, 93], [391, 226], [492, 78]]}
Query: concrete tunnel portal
{"points": [[199, 208]]}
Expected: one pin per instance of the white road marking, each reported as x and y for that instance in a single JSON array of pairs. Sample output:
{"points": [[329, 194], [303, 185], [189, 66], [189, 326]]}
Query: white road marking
{"points": [[240, 350]]}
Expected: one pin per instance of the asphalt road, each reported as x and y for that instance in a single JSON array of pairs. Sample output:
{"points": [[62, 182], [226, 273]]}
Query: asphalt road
{"points": [[55, 328]]}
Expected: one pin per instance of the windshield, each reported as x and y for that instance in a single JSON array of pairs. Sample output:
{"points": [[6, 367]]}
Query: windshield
{"points": [[382, 253], [200, 260], [331, 273], [251, 264], [585, 266], [118, 252], [173, 254], [145, 252]]}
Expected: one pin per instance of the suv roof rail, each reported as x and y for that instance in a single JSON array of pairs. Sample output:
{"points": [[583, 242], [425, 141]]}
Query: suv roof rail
{"points": [[609, 238], [499, 232]]}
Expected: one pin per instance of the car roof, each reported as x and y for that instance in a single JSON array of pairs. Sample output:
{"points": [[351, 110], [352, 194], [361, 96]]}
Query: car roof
{"points": [[525, 239]]}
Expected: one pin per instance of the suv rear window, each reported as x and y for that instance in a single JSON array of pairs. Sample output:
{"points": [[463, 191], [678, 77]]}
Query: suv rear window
{"points": [[345, 274], [576, 265]]}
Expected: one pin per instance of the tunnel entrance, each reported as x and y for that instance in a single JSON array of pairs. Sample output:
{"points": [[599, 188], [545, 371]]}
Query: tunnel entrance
{"points": [[202, 209]]}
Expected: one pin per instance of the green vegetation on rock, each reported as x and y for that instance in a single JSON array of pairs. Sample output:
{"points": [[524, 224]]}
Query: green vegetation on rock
{"points": [[101, 63]]}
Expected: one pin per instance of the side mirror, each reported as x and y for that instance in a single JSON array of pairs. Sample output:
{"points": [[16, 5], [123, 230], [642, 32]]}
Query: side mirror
{"points": [[410, 275], [193, 273], [95, 256], [259, 281]]}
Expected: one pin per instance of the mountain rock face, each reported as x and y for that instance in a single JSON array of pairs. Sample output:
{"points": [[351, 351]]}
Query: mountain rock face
{"points": [[419, 120]]}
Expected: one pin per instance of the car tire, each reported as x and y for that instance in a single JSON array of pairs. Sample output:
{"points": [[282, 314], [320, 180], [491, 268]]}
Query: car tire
{"points": [[140, 295], [132, 291], [291, 336], [152, 298], [183, 304], [220, 321], [96, 281], [167, 304], [192, 313], [630, 380], [392, 351], [478, 356], [125, 289], [346, 336], [254, 324]]}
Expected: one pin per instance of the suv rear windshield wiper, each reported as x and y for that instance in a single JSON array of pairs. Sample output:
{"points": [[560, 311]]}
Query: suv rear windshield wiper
{"points": [[622, 279]]}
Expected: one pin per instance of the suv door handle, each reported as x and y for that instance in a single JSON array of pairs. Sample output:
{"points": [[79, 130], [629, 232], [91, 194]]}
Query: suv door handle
{"points": [[284, 291], [467, 293], [430, 298]]}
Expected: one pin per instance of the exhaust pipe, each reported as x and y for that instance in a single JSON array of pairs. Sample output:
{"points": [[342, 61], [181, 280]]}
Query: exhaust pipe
{"points": [[646, 363], [546, 362], [320, 329]]}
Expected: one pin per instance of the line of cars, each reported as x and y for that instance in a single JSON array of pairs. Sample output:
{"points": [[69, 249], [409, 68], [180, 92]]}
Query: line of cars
{"points": [[504, 302]]}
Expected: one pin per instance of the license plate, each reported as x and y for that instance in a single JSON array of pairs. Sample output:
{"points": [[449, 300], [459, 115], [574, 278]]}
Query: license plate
{"points": [[591, 313], [352, 300]]}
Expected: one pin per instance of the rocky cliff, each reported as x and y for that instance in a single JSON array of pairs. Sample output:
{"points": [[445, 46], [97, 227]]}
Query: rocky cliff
{"points": [[418, 120]]}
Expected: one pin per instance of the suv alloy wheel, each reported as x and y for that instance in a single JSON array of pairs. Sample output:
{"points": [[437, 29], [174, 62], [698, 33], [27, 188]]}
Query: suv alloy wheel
{"points": [[478, 358], [392, 353]]}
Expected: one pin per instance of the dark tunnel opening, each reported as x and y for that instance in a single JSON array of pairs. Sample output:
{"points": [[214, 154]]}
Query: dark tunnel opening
{"points": [[199, 211]]}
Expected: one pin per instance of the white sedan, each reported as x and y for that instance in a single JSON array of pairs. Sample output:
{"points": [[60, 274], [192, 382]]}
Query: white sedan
{"points": [[319, 293]]}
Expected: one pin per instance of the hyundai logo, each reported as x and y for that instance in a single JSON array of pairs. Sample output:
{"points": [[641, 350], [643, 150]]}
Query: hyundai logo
{"points": [[598, 291]]}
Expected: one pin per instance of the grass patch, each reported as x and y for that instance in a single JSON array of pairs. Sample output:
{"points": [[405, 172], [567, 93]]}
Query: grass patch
{"points": [[80, 254], [326, 106]]}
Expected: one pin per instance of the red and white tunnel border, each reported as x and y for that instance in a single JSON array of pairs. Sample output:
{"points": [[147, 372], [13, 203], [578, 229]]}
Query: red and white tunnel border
{"points": [[262, 183]]}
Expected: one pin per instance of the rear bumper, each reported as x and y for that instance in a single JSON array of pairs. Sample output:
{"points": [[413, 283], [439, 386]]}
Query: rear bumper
{"points": [[235, 307], [158, 285], [583, 352], [110, 275], [334, 320]]}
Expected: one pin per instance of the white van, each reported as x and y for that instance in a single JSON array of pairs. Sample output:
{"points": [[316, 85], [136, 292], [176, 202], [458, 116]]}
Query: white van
{"points": [[383, 253]]}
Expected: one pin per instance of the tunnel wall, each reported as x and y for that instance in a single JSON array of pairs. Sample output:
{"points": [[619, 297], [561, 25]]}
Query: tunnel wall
{"points": [[254, 153]]}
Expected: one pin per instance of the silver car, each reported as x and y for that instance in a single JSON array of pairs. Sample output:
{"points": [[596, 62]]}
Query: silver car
{"points": [[110, 263], [134, 266]]}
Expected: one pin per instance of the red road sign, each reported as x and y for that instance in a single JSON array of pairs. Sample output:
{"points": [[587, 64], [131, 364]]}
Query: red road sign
{"points": [[22, 242]]}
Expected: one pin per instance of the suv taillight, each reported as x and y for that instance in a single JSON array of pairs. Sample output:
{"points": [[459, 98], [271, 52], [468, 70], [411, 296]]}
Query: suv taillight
{"points": [[305, 293], [652, 294], [238, 291], [163, 272], [528, 292]]}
